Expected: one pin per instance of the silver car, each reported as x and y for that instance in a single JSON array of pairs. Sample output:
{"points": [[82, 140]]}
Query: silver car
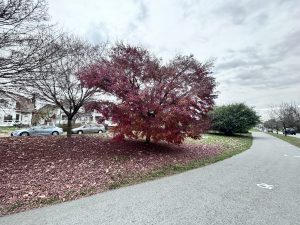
{"points": [[38, 131], [89, 128]]}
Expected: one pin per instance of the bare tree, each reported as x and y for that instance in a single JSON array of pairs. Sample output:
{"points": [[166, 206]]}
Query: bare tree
{"points": [[272, 124], [23, 47], [58, 82], [288, 114]]}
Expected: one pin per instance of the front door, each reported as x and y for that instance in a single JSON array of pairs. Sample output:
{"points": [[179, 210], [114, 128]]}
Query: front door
{"points": [[17, 118]]}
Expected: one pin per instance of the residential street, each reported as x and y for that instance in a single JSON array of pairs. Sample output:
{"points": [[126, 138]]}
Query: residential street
{"points": [[259, 187]]}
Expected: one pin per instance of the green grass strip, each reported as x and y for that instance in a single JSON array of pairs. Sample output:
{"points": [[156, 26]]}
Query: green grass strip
{"points": [[292, 140]]}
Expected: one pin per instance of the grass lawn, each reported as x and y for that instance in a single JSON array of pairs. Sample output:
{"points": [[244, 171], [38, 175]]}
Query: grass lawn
{"points": [[290, 139], [7, 129], [36, 171], [254, 129]]}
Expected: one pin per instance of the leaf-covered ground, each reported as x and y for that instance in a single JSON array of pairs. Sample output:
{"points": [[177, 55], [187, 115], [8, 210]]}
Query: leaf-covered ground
{"points": [[35, 171]]}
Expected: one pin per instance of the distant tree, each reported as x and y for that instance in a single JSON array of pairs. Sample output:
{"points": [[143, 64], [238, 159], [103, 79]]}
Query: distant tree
{"points": [[272, 124], [57, 82], [23, 29], [45, 113], [288, 114], [234, 118], [156, 101]]}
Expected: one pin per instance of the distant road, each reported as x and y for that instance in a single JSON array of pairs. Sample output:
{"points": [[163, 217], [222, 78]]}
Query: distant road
{"points": [[258, 187]]}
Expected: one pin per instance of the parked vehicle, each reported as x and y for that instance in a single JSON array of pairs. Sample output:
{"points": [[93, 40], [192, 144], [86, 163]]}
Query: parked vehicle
{"points": [[38, 131], [290, 131], [270, 130], [89, 128]]}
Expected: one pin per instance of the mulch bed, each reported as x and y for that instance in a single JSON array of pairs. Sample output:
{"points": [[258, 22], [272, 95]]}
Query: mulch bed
{"points": [[40, 170]]}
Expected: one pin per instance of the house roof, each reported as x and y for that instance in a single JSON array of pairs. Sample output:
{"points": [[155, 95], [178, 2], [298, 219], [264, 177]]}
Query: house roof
{"points": [[23, 103]]}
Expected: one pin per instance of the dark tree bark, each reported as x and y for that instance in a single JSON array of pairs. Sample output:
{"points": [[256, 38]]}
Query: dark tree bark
{"points": [[69, 127], [148, 138], [284, 128]]}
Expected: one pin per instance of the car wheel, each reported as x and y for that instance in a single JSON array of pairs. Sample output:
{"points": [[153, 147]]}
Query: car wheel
{"points": [[100, 131], [55, 133], [80, 132], [24, 134]]}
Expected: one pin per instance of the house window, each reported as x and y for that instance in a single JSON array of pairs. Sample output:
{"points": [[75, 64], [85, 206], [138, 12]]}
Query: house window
{"points": [[99, 119], [8, 117], [3, 103]]}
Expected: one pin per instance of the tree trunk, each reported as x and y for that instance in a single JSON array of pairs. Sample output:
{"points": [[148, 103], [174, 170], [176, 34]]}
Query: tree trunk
{"points": [[69, 127], [148, 138], [284, 128]]}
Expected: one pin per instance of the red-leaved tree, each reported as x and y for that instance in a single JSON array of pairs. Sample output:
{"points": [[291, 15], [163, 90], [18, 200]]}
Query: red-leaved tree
{"points": [[156, 101]]}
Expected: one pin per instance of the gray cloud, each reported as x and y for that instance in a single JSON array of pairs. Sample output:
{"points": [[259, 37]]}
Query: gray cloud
{"points": [[143, 10], [256, 42], [238, 12], [235, 63], [290, 44], [271, 78], [98, 33]]}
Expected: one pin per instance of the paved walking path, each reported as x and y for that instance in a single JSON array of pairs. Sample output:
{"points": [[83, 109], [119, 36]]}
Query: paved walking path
{"points": [[260, 186]]}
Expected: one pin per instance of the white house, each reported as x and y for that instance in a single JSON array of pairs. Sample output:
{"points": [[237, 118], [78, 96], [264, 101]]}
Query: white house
{"points": [[51, 115], [82, 117], [15, 109]]}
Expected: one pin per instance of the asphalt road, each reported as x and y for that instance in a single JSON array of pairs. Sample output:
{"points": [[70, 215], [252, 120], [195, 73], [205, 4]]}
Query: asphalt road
{"points": [[226, 192]]}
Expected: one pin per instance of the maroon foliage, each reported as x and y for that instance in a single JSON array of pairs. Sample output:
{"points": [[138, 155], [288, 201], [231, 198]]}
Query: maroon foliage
{"points": [[35, 170], [154, 100]]}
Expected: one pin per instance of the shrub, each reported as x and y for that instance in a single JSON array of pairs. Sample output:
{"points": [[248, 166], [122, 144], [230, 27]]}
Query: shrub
{"points": [[234, 118]]}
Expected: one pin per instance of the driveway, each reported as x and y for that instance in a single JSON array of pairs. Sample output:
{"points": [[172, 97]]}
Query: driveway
{"points": [[259, 187]]}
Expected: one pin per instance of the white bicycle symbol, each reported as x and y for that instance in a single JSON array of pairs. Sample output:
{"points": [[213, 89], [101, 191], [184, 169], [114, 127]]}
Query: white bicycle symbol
{"points": [[266, 186]]}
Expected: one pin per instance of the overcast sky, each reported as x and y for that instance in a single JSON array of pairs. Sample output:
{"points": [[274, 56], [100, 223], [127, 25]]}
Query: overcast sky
{"points": [[256, 43]]}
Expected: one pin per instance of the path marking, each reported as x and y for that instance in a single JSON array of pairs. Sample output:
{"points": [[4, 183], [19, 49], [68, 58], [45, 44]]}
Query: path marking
{"points": [[297, 156], [266, 186], [285, 155]]}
